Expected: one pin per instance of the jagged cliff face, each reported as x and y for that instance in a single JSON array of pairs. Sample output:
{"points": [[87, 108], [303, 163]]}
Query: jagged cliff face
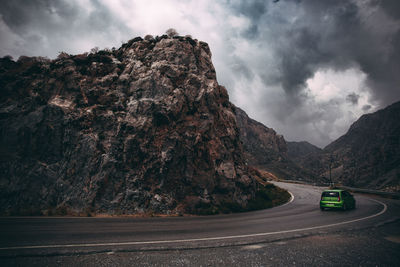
{"points": [[299, 150], [268, 151], [145, 128], [261, 144], [368, 155]]}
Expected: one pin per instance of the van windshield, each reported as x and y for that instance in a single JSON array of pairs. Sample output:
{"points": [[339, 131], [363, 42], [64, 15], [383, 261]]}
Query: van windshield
{"points": [[330, 194]]}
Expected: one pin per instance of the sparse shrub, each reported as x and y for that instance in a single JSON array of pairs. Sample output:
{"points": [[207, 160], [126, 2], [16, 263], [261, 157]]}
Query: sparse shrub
{"points": [[130, 42], [23, 59], [94, 50], [8, 57], [42, 59], [149, 37], [229, 207], [206, 209], [268, 196], [62, 55], [171, 32], [61, 210]]}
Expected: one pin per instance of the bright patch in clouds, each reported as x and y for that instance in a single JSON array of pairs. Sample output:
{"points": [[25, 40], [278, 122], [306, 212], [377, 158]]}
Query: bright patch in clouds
{"points": [[339, 97], [347, 88]]}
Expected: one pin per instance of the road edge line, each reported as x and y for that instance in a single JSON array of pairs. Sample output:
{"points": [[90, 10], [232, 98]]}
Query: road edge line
{"points": [[202, 239]]}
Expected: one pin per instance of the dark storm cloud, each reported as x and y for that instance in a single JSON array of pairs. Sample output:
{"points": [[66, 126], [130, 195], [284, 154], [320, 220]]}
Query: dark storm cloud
{"points": [[20, 14], [392, 7], [299, 58], [266, 52], [254, 10], [309, 35], [353, 98], [240, 67], [54, 26], [366, 108], [299, 38]]}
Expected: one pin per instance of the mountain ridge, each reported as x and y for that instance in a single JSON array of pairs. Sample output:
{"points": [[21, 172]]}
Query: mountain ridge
{"points": [[366, 156]]}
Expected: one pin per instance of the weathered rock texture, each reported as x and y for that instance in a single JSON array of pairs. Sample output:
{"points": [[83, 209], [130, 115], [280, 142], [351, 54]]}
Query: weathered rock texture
{"points": [[268, 151], [367, 156], [142, 129], [298, 150], [262, 144]]}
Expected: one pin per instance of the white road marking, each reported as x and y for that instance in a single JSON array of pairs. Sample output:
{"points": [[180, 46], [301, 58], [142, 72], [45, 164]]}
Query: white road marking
{"points": [[290, 201], [252, 247], [200, 239]]}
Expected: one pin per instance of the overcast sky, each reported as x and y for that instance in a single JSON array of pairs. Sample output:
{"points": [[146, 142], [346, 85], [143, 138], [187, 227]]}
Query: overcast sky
{"points": [[306, 68]]}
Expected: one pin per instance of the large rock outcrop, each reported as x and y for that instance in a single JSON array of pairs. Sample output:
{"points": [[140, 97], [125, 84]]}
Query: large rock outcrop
{"points": [[140, 129]]}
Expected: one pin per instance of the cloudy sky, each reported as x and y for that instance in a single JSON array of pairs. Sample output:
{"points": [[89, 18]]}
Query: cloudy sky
{"points": [[307, 68]]}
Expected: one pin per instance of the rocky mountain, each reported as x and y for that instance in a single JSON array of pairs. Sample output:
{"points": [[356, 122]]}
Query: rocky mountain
{"points": [[299, 150], [368, 155], [266, 150], [262, 144], [141, 129]]}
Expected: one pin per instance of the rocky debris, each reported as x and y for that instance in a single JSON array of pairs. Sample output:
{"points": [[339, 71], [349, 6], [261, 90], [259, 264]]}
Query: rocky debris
{"points": [[143, 129]]}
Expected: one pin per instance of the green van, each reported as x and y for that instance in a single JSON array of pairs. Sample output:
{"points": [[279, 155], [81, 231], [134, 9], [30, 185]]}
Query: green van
{"points": [[337, 199]]}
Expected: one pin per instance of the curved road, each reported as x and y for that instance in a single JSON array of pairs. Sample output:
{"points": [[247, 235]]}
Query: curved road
{"points": [[300, 217]]}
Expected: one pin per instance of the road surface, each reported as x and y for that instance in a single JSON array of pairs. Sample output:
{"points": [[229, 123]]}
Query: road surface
{"points": [[86, 241]]}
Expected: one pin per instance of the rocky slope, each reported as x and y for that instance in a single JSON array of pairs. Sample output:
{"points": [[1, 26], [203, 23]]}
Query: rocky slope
{"points": [[267, 151], [262, 145], [368, 155], [140, 129], [298, 150]]}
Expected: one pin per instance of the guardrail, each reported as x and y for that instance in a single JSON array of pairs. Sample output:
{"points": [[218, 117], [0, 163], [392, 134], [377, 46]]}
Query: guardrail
{"points": [[394, 195], [370, 191]]}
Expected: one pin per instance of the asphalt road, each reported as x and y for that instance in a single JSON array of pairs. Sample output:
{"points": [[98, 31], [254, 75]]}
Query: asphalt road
{"points": [[298, 227]]}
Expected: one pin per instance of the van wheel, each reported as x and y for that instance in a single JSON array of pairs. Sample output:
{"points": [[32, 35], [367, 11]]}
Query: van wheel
{"points": [[344, 207], [321, 208]]}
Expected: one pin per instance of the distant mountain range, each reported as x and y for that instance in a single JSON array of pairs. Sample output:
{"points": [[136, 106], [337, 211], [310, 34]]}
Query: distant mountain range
{"points": [[264, 149], [367, 156]]}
